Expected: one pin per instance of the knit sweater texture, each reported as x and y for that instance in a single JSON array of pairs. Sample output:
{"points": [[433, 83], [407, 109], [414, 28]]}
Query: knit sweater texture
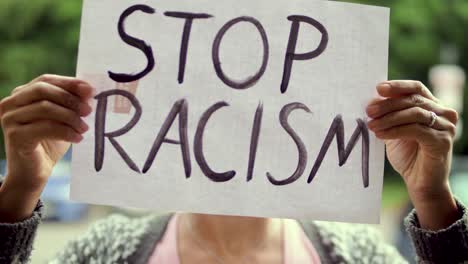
{"points": [[121, 239]]}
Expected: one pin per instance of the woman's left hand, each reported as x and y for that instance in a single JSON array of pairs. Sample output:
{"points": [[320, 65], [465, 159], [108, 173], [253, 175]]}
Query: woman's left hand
{"points": [[418, 133]]}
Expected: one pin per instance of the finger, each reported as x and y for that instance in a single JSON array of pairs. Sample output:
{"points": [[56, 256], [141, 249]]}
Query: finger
{"points": [[17, 89], [42, 91], [393, 89], [380, 107], [71, 84], [411, 116], [44, 110], [35, 132], [422, 134], [412, 131]]}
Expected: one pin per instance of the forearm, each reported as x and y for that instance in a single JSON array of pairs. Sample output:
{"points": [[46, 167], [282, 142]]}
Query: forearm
{"points": [[436, 211], [17, 204], [16, 237]]}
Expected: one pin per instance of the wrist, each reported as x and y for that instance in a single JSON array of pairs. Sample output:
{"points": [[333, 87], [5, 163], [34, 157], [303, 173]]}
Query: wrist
{"points": [[17, 203], [430, 196], [435, 210]]}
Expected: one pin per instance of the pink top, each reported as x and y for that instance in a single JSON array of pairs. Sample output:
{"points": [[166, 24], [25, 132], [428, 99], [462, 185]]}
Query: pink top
{"points": [[297, 246]]}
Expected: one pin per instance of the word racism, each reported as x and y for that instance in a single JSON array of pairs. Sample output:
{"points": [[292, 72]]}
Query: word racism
{"points": [[180, 108]]}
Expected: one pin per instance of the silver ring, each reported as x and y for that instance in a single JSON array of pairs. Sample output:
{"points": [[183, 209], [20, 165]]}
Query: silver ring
{"points": [[433, 119]]}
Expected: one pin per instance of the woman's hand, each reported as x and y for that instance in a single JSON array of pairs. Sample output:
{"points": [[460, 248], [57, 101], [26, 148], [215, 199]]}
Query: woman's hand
{"points": [[39, 121], [419, 152]]}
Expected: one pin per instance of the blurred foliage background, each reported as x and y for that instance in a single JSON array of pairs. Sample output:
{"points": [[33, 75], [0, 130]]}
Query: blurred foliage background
{"points": [[420, 31], [41, 36], [36, 37]]}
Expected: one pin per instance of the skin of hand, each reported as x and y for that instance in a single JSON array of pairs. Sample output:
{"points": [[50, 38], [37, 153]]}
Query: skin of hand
{"points": [[421, 154], [39, 120]]}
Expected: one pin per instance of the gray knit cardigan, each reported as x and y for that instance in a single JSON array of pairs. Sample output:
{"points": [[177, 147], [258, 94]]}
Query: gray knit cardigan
{"points": [[120, 239]]}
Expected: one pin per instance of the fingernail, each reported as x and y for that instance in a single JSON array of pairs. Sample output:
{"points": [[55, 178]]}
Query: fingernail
{"points": [[83, 86], [93, 91], [85, 109], [86, 86], [379, 134], [374, 126], [77, 138], [385, 86], [372, 110], [83, 126]]}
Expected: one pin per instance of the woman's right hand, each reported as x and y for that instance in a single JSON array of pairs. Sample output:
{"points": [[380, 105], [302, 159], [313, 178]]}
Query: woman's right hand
{"points": [[39, 120]]}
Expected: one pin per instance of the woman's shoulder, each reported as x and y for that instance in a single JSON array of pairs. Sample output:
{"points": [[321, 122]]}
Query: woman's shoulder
{"points": [[120, 238], [345, 242]]}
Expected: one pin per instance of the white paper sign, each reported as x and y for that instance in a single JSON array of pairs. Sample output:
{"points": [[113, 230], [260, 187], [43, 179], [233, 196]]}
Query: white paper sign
{"points": [[246, 107]]}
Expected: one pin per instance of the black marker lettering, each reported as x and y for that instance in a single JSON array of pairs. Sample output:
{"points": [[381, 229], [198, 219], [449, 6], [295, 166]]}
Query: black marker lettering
{"points": [[291, 50], [257, 124], [198, 147], [217, 63], [134, 42], [337, 128], [301, 165], [189, 17], [179, 108], [100, 127]]}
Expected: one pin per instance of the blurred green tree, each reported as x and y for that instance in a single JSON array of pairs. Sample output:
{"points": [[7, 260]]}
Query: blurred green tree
{"points": [[419, 31], [36, 37], [41, 36]]}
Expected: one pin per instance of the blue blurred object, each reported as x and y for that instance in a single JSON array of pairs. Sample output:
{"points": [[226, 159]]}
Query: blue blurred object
{"points": [[57, 192], [3, 167], [56, 196], [459, 178]]}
